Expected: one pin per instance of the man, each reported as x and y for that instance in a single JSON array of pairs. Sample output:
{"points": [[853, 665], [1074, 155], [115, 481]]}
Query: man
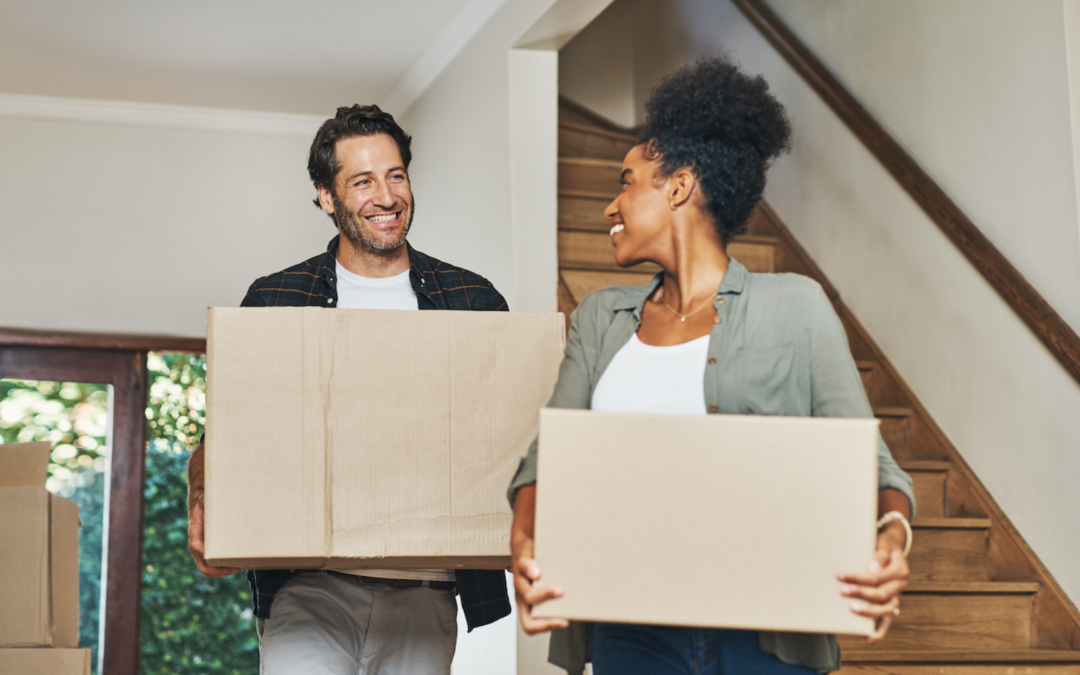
{"points": [[383, 621]]}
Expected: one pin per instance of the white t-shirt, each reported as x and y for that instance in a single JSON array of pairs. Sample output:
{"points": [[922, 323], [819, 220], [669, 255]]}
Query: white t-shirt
{"points": [[357, 292], [644, 378], [396, 292]]}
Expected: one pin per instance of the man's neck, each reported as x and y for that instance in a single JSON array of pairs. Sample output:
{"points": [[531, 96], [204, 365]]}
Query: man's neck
{"points": [[372, 264]]}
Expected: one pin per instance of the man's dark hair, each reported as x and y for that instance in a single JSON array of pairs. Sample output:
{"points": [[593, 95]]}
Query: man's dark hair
{"points": [[359, 120], [725, 127]]}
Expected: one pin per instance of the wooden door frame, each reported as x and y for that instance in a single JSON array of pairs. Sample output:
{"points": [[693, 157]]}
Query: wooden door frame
{"points": [[118, 360]]}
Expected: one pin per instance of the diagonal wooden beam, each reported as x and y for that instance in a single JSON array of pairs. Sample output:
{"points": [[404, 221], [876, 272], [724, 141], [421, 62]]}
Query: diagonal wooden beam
{"points": [[1028, 304]]}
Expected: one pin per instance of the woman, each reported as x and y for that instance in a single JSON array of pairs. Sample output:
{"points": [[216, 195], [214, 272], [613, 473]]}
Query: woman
{"points": [[760, 343]]}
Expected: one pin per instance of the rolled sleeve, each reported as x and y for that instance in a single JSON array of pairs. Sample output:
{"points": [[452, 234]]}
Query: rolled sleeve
{"points": [[837, 389]]}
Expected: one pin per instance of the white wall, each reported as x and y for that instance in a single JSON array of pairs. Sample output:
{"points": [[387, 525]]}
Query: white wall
{"points": [[122, 228], [598, 66], [979, 92]]}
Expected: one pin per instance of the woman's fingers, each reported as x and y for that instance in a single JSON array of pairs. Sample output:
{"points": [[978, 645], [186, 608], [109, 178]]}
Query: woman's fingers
{"points": [[889, 567], [875, 610], [538, 594], [877, 594], [881, 627], [528, 594]]}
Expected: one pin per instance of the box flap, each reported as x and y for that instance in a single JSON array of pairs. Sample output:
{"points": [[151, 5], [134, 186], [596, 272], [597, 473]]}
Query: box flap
{"points": [[711, 510], [24, 464], [45, 661], [64, 535], [24, 558]]}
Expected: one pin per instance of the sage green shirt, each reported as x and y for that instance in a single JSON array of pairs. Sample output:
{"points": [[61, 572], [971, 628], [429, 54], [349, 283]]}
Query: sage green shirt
{"points": [[779, 349]]}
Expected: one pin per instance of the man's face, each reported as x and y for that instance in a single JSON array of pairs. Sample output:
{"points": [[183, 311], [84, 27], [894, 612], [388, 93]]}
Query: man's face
{"points": [[372, 201]]}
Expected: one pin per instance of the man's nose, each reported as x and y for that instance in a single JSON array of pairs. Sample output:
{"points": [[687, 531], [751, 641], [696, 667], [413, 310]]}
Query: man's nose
{"points": [[384, 197]]}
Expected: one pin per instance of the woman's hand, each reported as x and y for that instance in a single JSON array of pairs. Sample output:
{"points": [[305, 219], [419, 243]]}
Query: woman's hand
{"points": [[524, 568], [877, 590]]}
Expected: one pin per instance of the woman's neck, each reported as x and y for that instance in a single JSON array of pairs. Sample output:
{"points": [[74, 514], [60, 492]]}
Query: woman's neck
{"points": [[696, 266]]}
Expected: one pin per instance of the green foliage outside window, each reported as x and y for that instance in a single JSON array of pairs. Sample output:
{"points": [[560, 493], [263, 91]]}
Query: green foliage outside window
{"points": [[190, 624]]}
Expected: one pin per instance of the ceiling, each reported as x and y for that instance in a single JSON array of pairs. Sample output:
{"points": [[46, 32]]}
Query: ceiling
{"points": [[269, 55]]}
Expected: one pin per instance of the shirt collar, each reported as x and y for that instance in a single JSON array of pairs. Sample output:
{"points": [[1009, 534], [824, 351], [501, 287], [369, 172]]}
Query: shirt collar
{"points": [[634, 298]]}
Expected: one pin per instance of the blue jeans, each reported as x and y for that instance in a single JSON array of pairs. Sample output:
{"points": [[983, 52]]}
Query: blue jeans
{"points": [[625, 649]]}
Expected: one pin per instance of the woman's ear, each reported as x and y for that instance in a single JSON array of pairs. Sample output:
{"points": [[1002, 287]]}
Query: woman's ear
{"points": [[680, 187]]}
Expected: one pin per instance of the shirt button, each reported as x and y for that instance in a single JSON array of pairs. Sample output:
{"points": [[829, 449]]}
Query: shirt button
{"points": [[716, 319], [719, 301], [712, 362], [329, 301], [713, 408]]}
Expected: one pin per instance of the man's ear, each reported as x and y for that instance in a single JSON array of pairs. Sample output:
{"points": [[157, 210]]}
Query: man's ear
{"points": [[326, 200], [680, 187]]}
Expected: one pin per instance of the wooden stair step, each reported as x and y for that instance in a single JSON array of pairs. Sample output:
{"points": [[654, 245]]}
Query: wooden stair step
{"points": [[924, 465], [949, 549], [952, 523], [592, 175], [583, 211], [970, 587], [957, 656], [957, 621], [928, 478], [582, 282], [584, 140]]}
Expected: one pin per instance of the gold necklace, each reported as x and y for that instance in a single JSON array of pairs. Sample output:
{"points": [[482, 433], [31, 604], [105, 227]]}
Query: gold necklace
{"points": [[682, 317]]}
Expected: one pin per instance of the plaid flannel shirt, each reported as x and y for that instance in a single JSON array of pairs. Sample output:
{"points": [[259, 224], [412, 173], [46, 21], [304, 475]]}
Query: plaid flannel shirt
{"points": [[313, 283]]}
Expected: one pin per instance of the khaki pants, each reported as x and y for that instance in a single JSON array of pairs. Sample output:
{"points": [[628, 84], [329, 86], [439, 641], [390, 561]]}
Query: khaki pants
{"points": [[322, 624]]}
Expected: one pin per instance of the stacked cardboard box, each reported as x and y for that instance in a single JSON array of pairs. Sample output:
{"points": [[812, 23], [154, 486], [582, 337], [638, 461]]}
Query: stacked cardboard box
{"points": [[39, 569]]}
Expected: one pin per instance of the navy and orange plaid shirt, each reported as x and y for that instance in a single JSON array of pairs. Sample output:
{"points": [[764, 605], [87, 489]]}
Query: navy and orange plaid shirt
{"points": [[313, 283]]}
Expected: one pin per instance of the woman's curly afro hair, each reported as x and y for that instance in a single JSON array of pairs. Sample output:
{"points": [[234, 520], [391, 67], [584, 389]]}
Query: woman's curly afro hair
{"points": [[725, 127]]}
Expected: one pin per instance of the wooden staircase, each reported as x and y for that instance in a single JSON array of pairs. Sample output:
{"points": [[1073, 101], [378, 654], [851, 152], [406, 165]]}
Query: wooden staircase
{"points": [[979, 602]]}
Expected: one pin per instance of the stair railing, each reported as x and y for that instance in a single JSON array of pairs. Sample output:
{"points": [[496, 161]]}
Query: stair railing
{"points": [[1028, 304]]}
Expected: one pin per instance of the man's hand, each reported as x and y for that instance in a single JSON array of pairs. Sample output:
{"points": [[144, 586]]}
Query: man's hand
{"points": [[877, 590], [524, 568], [198, 547]]}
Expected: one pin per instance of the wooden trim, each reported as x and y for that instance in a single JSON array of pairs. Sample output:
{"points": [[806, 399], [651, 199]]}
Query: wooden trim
{"points": [[127, 484], [1029, 305], [25, 337], [1051, 600]]}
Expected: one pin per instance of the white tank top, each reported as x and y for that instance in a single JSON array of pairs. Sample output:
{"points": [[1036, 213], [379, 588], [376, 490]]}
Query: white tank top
{"points": [[644, 378]]}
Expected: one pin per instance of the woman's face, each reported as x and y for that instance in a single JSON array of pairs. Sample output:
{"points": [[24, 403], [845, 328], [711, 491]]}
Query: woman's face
{"points": [[640, 215]]}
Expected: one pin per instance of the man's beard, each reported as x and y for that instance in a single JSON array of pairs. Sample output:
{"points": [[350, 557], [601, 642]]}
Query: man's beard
{"points": [[356, 231]]}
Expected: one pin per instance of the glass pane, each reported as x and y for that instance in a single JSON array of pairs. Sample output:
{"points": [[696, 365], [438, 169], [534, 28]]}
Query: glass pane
{"points": [[74, 418], [190, 624]]}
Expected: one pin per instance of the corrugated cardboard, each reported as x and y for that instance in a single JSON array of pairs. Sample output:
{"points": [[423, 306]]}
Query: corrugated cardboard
{"points": [[39, 554], [45, 661], [712, 520], [368, 438]]}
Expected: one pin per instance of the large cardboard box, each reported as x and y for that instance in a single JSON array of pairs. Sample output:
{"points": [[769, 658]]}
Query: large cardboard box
{"points": [[39, 554], [45, 661], [369, 438], [712, 520]]}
